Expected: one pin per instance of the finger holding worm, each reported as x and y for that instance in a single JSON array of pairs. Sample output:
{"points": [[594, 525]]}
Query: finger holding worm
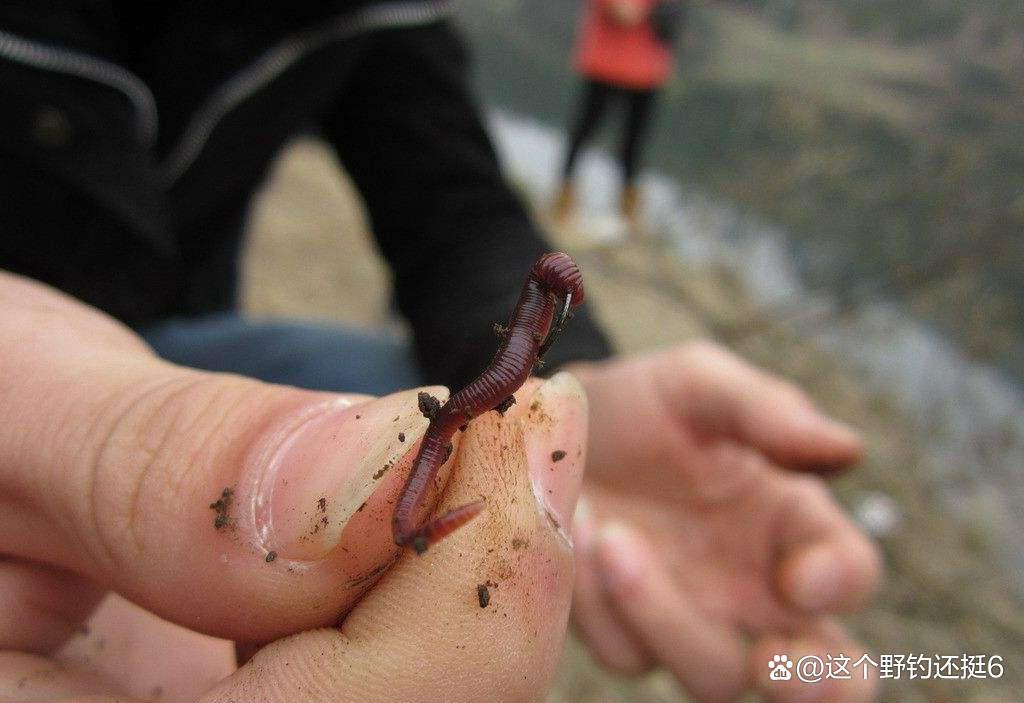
{"points": [[555, 284]]}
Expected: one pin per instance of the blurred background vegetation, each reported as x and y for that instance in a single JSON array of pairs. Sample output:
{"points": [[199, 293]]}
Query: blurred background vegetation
{"points": [[884, 135]]}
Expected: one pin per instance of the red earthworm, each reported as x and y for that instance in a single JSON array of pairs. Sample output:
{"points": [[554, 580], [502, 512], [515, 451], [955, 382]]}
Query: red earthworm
{"points": [[529, 334]]}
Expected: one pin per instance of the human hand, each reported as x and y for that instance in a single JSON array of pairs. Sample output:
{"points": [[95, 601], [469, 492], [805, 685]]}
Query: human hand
{"points": [[704, 542], [113, 466]]}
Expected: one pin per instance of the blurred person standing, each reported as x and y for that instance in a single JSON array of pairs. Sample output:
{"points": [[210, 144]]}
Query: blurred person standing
{"points": [[624, 54]]}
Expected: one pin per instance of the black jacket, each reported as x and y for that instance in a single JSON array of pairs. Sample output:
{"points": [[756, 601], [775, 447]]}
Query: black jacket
{"points": [[145, 220]]}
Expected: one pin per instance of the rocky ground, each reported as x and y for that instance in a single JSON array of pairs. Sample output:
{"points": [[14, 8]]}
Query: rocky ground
{"points": [[945, 592]]}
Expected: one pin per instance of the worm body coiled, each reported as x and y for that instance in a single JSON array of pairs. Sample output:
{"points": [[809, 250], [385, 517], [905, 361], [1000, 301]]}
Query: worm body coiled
{"points": [[554, 278]]}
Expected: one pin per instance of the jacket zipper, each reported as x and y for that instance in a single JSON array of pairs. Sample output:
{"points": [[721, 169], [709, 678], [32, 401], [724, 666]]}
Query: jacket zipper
{"points": [[273, 63], [57, 59], [277, 60]]}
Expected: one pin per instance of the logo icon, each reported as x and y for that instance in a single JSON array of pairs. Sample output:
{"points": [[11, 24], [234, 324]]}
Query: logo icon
{"points": [[779, 667]]}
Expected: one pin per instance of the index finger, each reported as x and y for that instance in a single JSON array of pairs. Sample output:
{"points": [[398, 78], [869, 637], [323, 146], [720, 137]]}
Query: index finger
{"points": [[721, 395]]}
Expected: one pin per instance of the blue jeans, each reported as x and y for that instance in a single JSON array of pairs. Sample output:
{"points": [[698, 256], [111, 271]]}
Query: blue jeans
{"points": [[310, 355]]}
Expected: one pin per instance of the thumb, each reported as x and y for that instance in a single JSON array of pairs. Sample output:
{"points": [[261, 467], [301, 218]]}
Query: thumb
{"points": [[482, 615], [232, 507]]}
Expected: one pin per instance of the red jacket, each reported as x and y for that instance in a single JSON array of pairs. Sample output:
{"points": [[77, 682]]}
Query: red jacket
{"points": [[626, 56]]}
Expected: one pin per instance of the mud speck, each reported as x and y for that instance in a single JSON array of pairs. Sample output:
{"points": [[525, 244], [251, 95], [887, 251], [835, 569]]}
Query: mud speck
{"points": [[383, 470], [504, 405], [401, 436], [539, 414], [428, 404], [551, 518], [519, 543], [558, 455], [271, 556], [221, 507], [321, 505], [483, 595]]}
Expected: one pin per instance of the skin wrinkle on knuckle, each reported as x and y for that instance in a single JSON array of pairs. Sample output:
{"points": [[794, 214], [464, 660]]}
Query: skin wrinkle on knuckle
{"points": [[207, 423], [142, 433], [98, 445], [333, 669], [188, 419], [219, 415]]}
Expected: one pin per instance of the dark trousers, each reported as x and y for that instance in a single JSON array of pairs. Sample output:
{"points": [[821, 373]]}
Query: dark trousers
{"points": [[597, 99]]}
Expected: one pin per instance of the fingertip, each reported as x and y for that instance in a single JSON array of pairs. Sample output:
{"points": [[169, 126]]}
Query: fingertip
{"points": [[842, 446], [846, 441], [810, 579], [555, 436], [820, 444], [831, 577], [623, 556]]}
